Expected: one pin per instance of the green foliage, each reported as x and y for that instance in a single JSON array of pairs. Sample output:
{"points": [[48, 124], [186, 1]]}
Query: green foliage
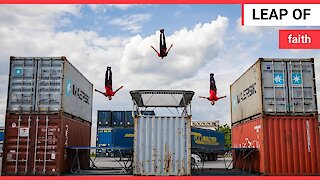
{"points": [[93, 154], [227, 134]]}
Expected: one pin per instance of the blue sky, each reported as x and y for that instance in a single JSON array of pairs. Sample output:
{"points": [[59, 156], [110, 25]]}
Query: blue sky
{"points": [[170, 17], [206, 38]]}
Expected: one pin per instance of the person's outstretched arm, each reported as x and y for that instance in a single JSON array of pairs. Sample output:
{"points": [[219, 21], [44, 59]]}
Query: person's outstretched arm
{"points": [[155, 50], [118, 89], [203, 97], [99, 91], [222, 97], [169, 48]]}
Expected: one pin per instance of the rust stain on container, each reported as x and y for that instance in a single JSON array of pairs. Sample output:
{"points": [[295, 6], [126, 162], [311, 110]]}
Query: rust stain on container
{"points": [[162, 146], [35, 144], [287, 145]]}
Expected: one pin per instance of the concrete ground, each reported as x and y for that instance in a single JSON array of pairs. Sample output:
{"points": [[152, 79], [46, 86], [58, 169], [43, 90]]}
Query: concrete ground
{"points": [[208, 168]]}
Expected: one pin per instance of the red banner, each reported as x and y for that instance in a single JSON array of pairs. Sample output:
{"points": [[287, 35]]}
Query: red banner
{"points": [[299, 39]]}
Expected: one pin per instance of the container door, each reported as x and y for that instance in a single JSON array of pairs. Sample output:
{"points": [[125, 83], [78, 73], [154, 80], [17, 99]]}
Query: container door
{"points": [[49, 87], [274, 83], [46, 150], [99, 138], [17, 147], [118, 118], [1, 136], [22, 82], [104, 138], [129, 118], [104, 118], [302, 93]]}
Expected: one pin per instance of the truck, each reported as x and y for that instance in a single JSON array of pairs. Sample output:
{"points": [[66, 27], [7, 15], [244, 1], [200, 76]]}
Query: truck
{"points": [[208, 144]]}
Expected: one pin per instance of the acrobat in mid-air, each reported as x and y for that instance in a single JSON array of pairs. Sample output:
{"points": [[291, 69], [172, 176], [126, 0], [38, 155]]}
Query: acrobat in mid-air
{"points": [[108, 85], [163, 47], [213, 91]]}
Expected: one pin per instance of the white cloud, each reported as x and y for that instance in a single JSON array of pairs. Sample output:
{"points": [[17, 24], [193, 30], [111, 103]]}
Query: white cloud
{"points": [[34, 17], [191, 50], [104, 8], [132, 23]]}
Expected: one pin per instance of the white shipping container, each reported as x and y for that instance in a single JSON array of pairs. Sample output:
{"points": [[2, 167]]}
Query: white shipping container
{"points": [[47, 85], [275, 86], [162, 146]]}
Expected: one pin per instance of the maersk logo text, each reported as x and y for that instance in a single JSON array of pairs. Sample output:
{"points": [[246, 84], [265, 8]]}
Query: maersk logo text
{"points": [[72, 89], [68, 88], [245, 94]]}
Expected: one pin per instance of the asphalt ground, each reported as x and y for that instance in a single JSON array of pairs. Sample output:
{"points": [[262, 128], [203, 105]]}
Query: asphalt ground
{"points": [[112, 166]]}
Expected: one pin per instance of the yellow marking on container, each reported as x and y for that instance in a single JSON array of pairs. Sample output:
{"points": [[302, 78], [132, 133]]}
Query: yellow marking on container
{"points": [[205, 140], [129, 135]]}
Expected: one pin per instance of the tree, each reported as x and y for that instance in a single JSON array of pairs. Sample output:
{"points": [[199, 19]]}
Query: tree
{"points": [[227, 134]]}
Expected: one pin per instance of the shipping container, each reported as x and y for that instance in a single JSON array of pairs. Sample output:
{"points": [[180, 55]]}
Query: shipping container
{"points": [[35, 144], [48, 84], [104, 137], [162, 145], [286, 145], [104, 118], [114, 138], [1, 135], [207, 142], [118, 118], [129, 118], [1, 140], [274, 86]]}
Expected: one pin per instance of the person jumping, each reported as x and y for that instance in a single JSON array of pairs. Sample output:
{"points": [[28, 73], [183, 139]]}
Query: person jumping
{"points": [[108, 85], [163, 47], [213, 91]]}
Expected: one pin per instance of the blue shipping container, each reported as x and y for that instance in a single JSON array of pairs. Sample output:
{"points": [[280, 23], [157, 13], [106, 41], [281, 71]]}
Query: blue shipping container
{"points": [[123, 137], [115, 138], [104, 118], [129, 119], [1, 136], [118, 118], [104, 138]]}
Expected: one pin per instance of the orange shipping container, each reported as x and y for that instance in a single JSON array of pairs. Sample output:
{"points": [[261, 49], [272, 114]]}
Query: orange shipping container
{"points": [[35, 144], [287, 145]]}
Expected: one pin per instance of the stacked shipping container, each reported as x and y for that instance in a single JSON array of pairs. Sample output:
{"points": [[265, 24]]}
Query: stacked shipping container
{"points": [[1, 140], [107, 118], [110, 122], [49, 107], [274, 109]]}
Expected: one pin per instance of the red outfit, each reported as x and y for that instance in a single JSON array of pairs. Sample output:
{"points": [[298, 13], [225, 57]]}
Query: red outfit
{"points": [[109, 91], [213, 95]]}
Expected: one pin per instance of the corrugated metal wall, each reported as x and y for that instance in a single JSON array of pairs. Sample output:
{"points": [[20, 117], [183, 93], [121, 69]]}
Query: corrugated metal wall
{"points": [[35, 144], [291, 145], [287, 145], [272, 86], [162, 145], [48, 84]]}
